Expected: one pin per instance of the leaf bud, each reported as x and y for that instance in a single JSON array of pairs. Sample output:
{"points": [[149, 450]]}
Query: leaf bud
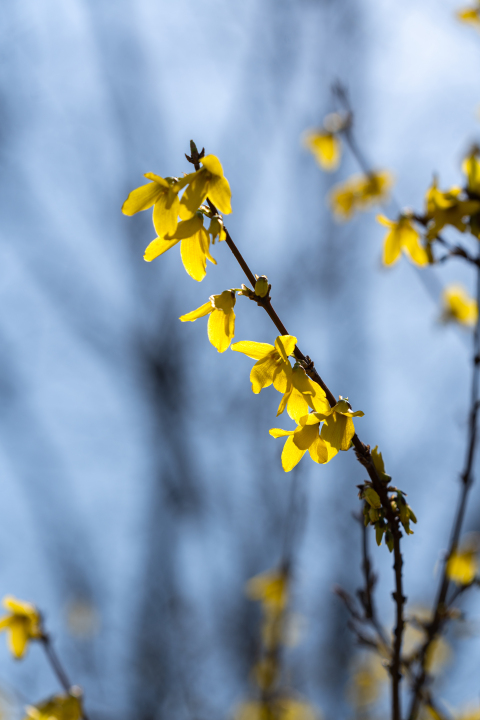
{"points": [[372, 497], [261, 286]]}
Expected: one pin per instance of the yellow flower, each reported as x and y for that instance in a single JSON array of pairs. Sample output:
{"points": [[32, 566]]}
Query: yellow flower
{"points": [[402, 236], [194, 248], [325, 147], [221, 323], [462, 565], [162, 193], [58, 707], [272, 366], [447, 208], [300, 393], [471, 168], [360, 192], [336, 434], [470, 16], [22, 624], [270, 588], [209, 182], [277, 708], [458, 306]]}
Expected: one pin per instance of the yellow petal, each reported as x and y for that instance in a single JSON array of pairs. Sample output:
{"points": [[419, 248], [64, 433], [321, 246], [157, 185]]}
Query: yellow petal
{"points": [[304, 436], [165, 213], [285, 345], [18, 636], [254, 350], [392, 247], [297, 405], [413, 248], [159, 180], [218, 329], [291, 455], [187, 228], [157, 247], [220, 194], [385, 221], [142, 198], [193, 257], [462, 567], [212, 164], [195, 193], [318, 451], [278, 432], [263, 372], [198, 313], [325, 147], [338, 431]]}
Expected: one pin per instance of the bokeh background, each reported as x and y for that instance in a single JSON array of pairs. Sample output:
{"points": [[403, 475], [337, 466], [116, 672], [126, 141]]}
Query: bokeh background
{"points": [[140, 487]]}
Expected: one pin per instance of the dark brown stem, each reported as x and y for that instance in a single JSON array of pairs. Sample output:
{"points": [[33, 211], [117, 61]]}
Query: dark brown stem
{"points": [[440, 607], [57, 667]]}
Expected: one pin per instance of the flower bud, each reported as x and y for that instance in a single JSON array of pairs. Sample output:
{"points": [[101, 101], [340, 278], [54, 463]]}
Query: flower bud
{"points": [[261, 286]]}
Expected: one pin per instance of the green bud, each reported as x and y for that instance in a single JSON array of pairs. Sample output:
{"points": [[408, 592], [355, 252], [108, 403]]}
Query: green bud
{"points": [[373, 515], [379, 530], [389, 540], [372, 497], [261, 286]]}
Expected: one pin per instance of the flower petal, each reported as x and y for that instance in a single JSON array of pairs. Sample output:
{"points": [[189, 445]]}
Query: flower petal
{"points": [[318, 451], [263, 372], [291, 455], [220, 194], [165, 213], [193, 257], [212, 164], [142, 198], [195, 193], [304, 436], [278, 432], [217, 332], [285, 345], [252, 349], [198, 313], [18, 636], [338, 431], [187, 228], [157, 247]]}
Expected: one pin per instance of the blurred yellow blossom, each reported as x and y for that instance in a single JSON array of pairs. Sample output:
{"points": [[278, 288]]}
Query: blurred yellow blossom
{"points": [[325, 147], [462, 565], [368, 678], [471, 16], [360, 192], [438, 653], [58, 707], [209, 182], [402, 236], [458, 306], [194, 247], [272, 366], [270, 588], [471, 168], [221, 323], [162, 193], [447, 208], [23, 623]]}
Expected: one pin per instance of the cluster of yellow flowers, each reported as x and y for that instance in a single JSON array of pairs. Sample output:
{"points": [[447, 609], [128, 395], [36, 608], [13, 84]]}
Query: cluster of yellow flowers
{"points": [[23, 624], [271, 590], [304, 399]]}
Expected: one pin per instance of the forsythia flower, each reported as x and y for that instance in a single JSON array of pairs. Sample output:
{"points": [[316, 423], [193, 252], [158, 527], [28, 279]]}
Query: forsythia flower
{"points": [[471, 168], [22, 624], [162, 193], [360, 192], [402, 236], [270, 588], [300, 393], [458, 306], [447, 208], [194, 247], [221, 323], [209, 182], [272, 366], [58, 707], [470, 16], [325, 147], [336, 434], [462, 565], [280, 708]]}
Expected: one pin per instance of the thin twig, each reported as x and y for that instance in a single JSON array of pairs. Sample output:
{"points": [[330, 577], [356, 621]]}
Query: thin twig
{"points": [[57, 667], [439, 612]]}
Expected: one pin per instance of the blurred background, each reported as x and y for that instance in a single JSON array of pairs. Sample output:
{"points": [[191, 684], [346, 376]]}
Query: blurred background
{"points": [[140, 487]]}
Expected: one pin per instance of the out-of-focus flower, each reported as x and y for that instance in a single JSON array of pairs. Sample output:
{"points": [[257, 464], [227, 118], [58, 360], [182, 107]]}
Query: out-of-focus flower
{"points": [[402, 236], [221, 323], [438, 653], [458, 306], [325, 147], [58, 707], [447, 208], [360, 192], [270, 588], [367, 681], [462, 565], [471, 16], [23, 623]]}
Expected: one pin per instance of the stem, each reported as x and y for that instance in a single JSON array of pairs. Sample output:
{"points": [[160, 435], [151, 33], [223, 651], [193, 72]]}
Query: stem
{"points": [[57, 667], [467, 478]]}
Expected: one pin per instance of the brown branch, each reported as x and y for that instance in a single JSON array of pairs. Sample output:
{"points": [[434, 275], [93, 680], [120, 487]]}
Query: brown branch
{"points": [[57, 667], [363, 456], [440, 614]]}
